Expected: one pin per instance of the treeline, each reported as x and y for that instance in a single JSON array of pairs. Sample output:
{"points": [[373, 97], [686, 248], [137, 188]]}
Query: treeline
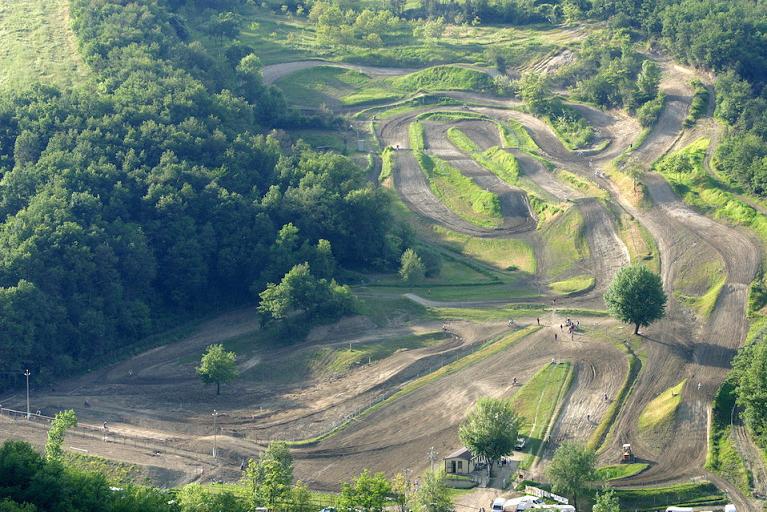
{"points": [[459, 11], [33, 483], [157, 190], [725, 37]]}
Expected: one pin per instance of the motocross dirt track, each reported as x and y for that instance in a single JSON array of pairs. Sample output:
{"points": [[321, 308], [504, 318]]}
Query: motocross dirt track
{"points": [[399, 435]]}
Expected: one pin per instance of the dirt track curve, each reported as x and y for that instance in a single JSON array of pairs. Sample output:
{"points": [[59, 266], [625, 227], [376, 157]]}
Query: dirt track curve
{"points": [[399, 435]]}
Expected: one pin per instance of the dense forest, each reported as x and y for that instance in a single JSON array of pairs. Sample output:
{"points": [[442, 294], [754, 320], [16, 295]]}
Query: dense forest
{"points": [[159, 190]]}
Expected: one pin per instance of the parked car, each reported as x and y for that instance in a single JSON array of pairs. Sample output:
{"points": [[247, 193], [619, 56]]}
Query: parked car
{"points": [[521, 442]]}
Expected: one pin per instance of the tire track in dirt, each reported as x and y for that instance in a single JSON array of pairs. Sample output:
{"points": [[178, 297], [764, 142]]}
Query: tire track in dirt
{"points": [[408, 427]]}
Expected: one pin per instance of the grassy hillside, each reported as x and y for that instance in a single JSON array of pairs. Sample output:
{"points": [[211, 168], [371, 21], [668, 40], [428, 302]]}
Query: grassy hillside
{"points": [[37, 44]]}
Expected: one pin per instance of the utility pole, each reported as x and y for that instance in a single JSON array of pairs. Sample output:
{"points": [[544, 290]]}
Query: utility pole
{"points": [[432, 457], [27, 374], [215, 431]]}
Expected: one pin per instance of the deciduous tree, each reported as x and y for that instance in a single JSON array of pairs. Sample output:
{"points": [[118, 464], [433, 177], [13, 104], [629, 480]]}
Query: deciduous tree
{"points": [[432, 495], [490, 430], [636, 296], [607, 501], [218, 366], [367, 493], [571, 470]]}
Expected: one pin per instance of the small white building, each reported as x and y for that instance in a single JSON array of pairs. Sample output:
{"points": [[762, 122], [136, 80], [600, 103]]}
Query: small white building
{"points": [[460, 462]]}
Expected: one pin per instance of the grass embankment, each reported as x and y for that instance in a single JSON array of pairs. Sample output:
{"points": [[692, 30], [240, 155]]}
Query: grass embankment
{"points": [[618, 471], [582, 184], [501, 253], [700, 283], [506, 167], [37, 45], [335, 85], [489, 349], [723, 457], [451, 116], [660, 412], [683, 495], [387, 165], [631, 189], [573, 285], [459, 193], [564, 243], [515, 136], [513, 311], [536, 402]]}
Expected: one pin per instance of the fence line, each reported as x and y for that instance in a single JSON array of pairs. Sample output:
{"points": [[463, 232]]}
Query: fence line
{"points": [[157, 446]]}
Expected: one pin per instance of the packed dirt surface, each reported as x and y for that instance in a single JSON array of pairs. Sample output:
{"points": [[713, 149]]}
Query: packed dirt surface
{"points": [[156, 399]]}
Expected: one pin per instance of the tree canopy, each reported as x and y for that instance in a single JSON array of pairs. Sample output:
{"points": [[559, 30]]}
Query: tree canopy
{"points": [[367, 493], [636, 296], [490, 429], [571, 469], [217, 366], [160, 188]]}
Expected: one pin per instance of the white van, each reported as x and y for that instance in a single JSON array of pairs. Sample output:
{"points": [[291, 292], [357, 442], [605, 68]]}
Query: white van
{"points": [[679, 509], [730, 508], [498, 504], [522, 503]]}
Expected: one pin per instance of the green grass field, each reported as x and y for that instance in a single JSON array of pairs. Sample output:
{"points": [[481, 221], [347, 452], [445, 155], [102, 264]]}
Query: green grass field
{"points": [[582, 184], [37, 45], [284, 38], [662, 409], [656, 498], [334, 360], [501, 253], [536, 402]]}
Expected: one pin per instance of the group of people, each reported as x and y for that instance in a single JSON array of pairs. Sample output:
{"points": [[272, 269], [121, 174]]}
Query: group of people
{"points": [[571, 327]]}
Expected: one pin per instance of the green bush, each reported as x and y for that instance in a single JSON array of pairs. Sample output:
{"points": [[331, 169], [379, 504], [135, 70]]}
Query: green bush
{"points": [[648, 114], [698, 103]]}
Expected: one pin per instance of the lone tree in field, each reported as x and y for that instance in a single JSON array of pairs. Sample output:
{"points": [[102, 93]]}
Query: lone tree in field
{"points": [[490, 430], [636, 296], [217, 366], [571, 470]]}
